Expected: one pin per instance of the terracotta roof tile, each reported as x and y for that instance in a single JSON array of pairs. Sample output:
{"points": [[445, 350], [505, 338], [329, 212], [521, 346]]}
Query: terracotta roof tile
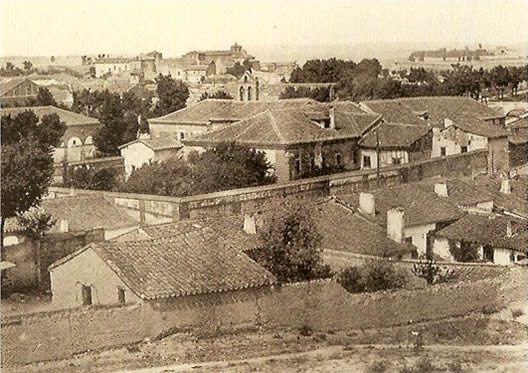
{"points": [[186, 264], [394, 135], [68, 117], [488, 230]]}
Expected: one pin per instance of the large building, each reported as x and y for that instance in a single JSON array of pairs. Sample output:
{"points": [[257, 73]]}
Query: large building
{"points": [[223, 59], [17, 91], [77, 143]]}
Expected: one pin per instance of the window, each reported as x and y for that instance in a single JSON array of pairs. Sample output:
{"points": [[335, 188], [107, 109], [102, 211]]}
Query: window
{"points": [[182, 135], [409, 240], [463, 149], [121, 296], [366, 161], [396, 160], [339, 160], [298, 165], [249, 93], [86, 292], [443, 151], [489, 254]]}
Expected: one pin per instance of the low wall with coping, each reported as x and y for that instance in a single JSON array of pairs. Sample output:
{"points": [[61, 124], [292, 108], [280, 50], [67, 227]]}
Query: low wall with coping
{"points": [[150, 209]]}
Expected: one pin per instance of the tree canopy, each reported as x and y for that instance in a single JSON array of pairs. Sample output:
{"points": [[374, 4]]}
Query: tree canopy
{"points": [[173, 95], [223, 95], [27, 162], [291, 245]]}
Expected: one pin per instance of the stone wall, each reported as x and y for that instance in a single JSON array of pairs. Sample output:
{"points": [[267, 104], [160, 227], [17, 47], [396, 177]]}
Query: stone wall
{"points": [[150, 209], [320, 305]]}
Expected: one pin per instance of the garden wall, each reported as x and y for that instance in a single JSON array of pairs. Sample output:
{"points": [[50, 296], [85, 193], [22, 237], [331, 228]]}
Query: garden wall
{"points": [[149, 209]]}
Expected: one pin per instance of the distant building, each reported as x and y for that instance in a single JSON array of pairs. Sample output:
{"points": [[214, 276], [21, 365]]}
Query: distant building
{"points": [[107, 65], [146, 151], [19, 91], [77, 142], [223, 59], [396, 144]]}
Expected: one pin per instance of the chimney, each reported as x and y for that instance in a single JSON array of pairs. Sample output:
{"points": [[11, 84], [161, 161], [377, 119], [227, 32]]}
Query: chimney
{"points": [[331, 112], [441, 189], [331, 93], [395, 224], [64, 226], [505, 186], [72, 191], [447, 122], [249, 224], [509, 232], [367, 203]]}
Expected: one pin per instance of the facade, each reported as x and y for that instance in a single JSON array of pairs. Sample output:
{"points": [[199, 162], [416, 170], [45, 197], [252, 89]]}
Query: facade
{"points": [[19, 91], [145, 151], [111, 66], [396, 144], [295, 142], [499, 239], [223, 59], [144, 271], [400, 210], [77, 141]]}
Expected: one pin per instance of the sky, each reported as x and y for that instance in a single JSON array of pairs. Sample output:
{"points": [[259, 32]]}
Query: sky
{"points": [[77, 27]]}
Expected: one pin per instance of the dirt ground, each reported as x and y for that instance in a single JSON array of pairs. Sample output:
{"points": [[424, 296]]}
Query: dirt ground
{"points": [[474, 343]]}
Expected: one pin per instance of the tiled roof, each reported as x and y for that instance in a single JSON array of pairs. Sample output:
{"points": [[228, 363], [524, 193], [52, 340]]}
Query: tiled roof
{"points": [[8, 84], [341, 228], [518, 139], [516, 201], [187, 264], [157, 143], [277, 128], [394, 135], [467, 113], [421, 204], [462, 193], [230, 110], [83, 213], [488, 230], [68, 117]]}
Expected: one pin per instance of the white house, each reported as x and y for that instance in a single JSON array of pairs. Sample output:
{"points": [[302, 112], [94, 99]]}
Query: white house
{"points": [[147, 150]]}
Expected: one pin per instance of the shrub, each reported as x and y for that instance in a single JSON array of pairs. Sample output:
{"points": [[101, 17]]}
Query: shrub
{"points": [[306, 331], [381, 275], [490, 309], [432, 273], [424, 365], [465, 252], [455, 367], [351, 279]]}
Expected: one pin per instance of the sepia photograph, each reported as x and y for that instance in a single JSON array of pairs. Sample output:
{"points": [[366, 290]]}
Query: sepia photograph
{"points": [[264, 186]]}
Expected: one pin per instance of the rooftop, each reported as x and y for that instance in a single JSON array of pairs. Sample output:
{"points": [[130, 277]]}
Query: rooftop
{"points": [[156, 143], [229, 110], [186, 264], [8, 84], [282, 128], [488, 230], [420, 203], [467, 113], [67, 117], [461, 192], [83, 213], [394, 135]]}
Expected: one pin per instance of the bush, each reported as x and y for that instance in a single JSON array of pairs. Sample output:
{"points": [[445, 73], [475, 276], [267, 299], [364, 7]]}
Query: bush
{"points": [[490, 309], [381, 275], [375, 275], [378, 367], [306, 331], [433, 274]]}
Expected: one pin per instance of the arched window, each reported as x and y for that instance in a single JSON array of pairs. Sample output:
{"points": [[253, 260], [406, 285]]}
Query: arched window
{"points": [[249, 93], [245, 78], [89, 140], [242, 93], [74, 141]]}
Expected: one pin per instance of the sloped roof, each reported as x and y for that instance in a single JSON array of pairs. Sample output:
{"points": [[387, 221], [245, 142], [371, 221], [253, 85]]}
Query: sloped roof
{"points": [[341, 228], [8, 84], [229, 110], [156, 143], [186, 264], [67, 117], [83, 213], [273, 128], [466, 113], [462, 193], [420, 203], [394, 135], [488, 230], [516, 201]]}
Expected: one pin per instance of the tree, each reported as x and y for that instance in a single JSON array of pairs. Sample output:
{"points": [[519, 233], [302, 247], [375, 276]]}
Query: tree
{"points": [[27, 162], [173, 95], [291, 245], [321, 94], [112, 116], [84, 178], [28, 66], [380, 274], [465, 252], [52, 59], [218, 95], [238, 69], [45, 98]]}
